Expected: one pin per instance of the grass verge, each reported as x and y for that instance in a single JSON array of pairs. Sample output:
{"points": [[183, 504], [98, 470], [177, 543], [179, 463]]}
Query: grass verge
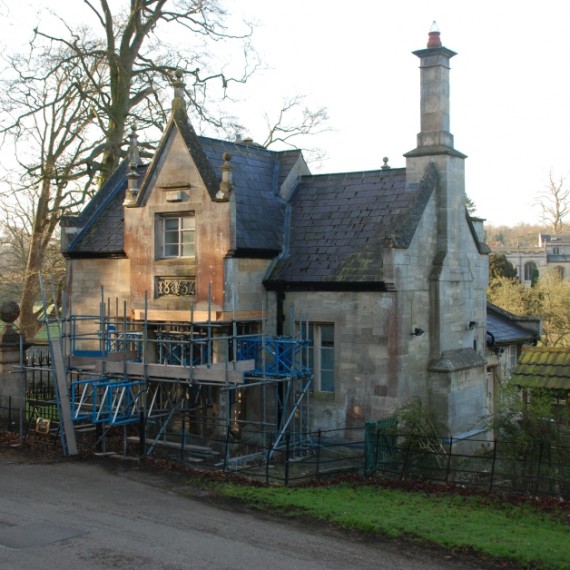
{"points": [[517, 532]]}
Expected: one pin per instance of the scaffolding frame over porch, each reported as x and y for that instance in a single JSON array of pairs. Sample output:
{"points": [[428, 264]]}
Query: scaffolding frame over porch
{"points": [[212, 381]]}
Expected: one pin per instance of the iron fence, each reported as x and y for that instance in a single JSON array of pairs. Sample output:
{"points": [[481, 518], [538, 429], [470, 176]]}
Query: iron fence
{"points": [[40, 397], [537, 468]]}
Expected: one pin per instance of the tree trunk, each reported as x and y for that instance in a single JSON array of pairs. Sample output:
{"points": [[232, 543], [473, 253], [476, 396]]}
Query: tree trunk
{"points": [[29, 325], [42, 230]]}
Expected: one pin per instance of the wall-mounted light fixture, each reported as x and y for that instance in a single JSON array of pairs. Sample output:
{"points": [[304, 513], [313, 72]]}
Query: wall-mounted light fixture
{"points": [[471, 325], [417, 332]]}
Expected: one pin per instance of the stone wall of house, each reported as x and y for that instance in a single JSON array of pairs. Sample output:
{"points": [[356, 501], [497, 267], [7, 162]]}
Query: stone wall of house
{"points": [[95, 280], [455, 373], [368, 355], [244, 284]]}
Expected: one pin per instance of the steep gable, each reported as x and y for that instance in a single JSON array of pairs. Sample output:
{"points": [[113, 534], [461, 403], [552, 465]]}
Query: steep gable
{"points": [[179, 123]]}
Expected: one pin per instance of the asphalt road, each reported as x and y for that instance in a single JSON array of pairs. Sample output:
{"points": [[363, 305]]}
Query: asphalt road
{"points": [[82, 515]]}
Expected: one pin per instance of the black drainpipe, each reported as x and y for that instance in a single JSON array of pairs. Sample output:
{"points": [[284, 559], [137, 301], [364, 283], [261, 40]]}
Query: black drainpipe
{"points": [[279, 330], [280, 312]]}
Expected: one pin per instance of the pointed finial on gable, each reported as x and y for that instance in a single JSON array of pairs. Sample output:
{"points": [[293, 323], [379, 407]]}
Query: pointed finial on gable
{"points": [[178, 101], [223, 194], [133, 159], [178, 84], [434, 40]]}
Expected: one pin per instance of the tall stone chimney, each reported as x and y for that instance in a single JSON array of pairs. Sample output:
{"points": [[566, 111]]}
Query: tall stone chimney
{"points": [[435, 149], [435, 136]]}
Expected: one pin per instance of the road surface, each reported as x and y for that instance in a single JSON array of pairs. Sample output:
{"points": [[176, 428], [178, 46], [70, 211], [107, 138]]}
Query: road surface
{"points": [[83, 515]]}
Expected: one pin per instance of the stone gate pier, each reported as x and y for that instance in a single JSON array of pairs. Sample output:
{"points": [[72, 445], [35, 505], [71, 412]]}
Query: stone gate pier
{"points": [[11, 387]]}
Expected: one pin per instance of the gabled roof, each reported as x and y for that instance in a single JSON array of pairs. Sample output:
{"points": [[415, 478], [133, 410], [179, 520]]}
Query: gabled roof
{"points": [[340, 224], [504, 328], [543, 367], [258, 174]]}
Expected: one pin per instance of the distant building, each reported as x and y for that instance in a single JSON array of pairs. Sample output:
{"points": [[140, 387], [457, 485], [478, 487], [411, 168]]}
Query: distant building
{"points": [[552, 252]]}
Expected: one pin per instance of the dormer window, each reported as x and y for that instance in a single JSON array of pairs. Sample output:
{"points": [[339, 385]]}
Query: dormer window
{"points": [[176, 236]]}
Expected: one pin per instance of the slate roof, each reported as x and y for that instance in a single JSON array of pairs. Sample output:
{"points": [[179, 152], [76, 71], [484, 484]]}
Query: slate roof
{"points": [[340, 223], [543, 367], [332, 231], [504, 329], [257, 175], [102, 220]]}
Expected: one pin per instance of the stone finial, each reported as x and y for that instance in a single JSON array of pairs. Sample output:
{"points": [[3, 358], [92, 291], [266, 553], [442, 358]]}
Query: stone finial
{"points": [[133, 158], [178, 101], [226, 183], [178, 84], [385, 166], [9, 312], [434, 40]]}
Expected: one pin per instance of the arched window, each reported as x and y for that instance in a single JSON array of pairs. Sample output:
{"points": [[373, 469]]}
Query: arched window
{"points": [[530, 271]]}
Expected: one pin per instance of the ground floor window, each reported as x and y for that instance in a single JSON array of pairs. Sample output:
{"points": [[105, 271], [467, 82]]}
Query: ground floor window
{"points": [[320, 354]]}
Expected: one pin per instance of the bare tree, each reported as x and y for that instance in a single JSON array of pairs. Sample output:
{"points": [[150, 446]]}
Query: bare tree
{"points": [[295, 120], [134, 62], [67, 104], [554, 202], [549, 299], [13, 251], [49, 123]]}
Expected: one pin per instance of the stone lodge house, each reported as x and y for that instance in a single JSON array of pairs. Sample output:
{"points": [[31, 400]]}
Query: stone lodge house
{"points": [[384, 271]]}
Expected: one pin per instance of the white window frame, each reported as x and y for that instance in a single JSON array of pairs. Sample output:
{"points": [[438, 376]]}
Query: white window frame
{"points": [[166, 232], [316, 331]]}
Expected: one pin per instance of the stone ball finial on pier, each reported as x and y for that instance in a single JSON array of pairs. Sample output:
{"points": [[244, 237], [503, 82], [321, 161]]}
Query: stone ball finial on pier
{"points": [[9, 312]]}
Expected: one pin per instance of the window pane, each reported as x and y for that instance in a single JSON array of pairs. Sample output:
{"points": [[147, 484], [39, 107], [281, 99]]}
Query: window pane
{"points": [[170, 237], [327, 335], [171, 224], [311, 359], [171, 250], [187, 249], [188, 223], [327, 359], [327, 381]]}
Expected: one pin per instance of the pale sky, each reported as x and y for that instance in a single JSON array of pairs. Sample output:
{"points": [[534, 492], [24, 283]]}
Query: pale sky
{"points": [[510, 96]]}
